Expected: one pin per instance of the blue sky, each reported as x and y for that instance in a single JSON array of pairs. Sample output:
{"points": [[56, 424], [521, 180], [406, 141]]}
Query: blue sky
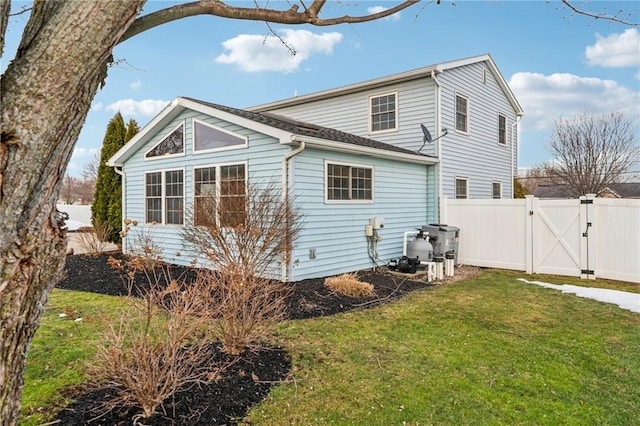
{"points": [[557, 63]]}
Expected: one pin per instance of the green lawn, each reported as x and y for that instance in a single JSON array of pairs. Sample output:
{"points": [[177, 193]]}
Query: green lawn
{"points": [[490, 350]]}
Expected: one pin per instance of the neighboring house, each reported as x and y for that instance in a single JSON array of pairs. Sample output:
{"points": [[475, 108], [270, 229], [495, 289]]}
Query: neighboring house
{"points": [[467, 97], [341, 181], [350, 157], [614, 190]]}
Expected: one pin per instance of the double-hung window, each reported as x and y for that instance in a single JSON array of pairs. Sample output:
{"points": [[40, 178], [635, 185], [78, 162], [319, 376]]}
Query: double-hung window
{"points": [[345, 182], [383, 112], [502, 129], [462, 113], [496, 189], [220, 195], [164, 197], [462, 189]]}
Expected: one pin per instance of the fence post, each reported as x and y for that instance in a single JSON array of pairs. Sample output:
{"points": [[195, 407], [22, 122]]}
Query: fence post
{"points": [[587, 240], [529, 211]]}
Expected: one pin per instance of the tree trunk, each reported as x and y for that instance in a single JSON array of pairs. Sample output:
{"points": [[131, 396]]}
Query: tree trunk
{"points": [[45, 95]]}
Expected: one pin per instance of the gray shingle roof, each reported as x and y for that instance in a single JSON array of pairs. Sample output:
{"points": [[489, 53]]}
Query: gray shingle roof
{"points": [[624, 190], [306, 129]]}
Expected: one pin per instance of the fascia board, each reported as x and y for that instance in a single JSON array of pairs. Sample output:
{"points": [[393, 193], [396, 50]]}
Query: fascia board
{"points": [[334, 146]]}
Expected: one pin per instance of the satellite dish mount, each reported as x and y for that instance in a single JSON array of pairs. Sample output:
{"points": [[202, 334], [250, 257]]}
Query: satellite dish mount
{"points": [[427, 136]]}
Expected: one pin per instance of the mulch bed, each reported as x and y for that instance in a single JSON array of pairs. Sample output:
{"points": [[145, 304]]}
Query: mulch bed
{"points": [[227, 400]]}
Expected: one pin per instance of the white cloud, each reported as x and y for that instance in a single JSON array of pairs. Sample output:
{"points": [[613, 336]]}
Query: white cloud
{"points": [[135, 85], [545, 98], [377, 9], [615, 50], [146, 107], [96, 106], [255, 53], [79, 159]]}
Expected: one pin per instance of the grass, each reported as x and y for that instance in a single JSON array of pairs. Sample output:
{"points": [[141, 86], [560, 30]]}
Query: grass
{"points": [[490, 350]]}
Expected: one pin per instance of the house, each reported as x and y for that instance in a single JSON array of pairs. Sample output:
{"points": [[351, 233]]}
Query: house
{"points": [[613, 190], [465, 104], [343, 182], [360, 161]]}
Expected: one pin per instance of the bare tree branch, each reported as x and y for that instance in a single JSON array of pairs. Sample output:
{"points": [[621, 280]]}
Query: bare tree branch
{"points": [[613, 18], [5, 7], [219, 8]]}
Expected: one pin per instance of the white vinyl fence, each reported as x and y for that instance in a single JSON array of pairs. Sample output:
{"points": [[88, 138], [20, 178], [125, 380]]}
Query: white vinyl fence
{"points": [[587, 237]]}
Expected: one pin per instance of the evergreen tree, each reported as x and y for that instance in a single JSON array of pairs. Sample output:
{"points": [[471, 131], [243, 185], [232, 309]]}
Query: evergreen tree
{"points": [[519, 190], [107, 201]]}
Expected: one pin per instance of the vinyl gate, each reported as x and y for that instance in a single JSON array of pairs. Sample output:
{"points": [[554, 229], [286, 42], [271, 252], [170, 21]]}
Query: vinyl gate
{"points": [[584, 237]]}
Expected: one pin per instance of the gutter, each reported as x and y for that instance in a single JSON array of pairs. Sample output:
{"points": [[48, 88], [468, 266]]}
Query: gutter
{"points": [[121, 172], [286, 266], [517, 141], [439, 146]]}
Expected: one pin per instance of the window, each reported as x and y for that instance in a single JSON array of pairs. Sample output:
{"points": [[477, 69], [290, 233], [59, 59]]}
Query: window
{"points": [[220, 195], [170, 145], [383, 112], [496, 189], [502, 129], [207, 138], [164, 197], [462, 187], [349, 183], [462, 113]]}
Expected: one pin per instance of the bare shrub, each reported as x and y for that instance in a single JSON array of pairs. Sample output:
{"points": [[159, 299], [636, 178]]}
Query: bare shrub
{"points": [[246, 238], [349, 285], [158, 347], [93, 240]]}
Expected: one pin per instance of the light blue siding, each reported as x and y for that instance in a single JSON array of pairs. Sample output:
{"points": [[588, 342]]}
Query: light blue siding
{"points": [[336, 232], [476, 155]]}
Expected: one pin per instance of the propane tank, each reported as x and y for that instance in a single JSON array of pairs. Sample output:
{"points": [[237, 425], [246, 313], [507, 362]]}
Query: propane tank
{"points": [[420, 247]]}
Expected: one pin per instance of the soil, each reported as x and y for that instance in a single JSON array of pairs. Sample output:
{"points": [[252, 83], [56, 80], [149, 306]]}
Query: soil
{"points": [[248, 380]]}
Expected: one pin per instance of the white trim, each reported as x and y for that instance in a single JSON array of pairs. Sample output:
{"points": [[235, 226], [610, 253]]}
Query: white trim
{"points": [[164, 137], [397, 109], [195, 121], [351, 165], [457, 94], [455, 186], [163, 195]]}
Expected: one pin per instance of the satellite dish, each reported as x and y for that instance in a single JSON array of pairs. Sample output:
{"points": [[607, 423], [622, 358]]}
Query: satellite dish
{"points": [[427, 135]]}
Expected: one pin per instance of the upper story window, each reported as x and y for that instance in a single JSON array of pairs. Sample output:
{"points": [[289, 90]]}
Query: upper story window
{"points": [[349, 183], [502, 129], [462, 113], [207, 138], [220, 195], [383, 112], [171, 145], [496, 189], [164, 197], [462, 187]]}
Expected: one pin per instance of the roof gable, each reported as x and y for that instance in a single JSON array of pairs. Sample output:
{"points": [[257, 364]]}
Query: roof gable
{"points": [[285, 129]]}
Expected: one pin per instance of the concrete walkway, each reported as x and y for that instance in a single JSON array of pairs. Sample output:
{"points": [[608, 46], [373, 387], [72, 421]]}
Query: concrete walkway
{"points": [[624, 299], [75, 239]]}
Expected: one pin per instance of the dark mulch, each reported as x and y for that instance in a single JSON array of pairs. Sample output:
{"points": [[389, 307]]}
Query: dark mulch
{"points": [[229, 399]]}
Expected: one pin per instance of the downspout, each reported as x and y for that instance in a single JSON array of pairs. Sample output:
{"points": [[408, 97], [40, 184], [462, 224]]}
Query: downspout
{"points": [[285, 193], [123, 196], [438, 146], [513, 147]]}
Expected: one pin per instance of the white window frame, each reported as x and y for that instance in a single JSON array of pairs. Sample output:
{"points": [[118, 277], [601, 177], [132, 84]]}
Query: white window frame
{"points": [[221, 130], [163, 196], [391, 129], [218, 183], [506, 130], [327, 200], [467, 121], [163, 157], [493, 193], [455, 187]]}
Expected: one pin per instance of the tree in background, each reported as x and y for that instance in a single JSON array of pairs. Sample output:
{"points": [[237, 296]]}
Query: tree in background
{"points": [[107, 199], [591, 152], [519, 190], [71, 43]]}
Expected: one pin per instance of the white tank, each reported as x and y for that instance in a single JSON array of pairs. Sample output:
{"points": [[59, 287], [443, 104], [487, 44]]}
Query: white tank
{"points": [[420, 247]]}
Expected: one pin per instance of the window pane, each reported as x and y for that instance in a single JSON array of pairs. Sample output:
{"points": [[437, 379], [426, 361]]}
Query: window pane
{"points": [[461, 188], [502, 129], [497, 190], [461, 113], [207, 137], [337, 182], [153, 196], [383, 112], [232, 195], [175, 210], [361, 183], [172, 144], [154, 210], [205, 196]]}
